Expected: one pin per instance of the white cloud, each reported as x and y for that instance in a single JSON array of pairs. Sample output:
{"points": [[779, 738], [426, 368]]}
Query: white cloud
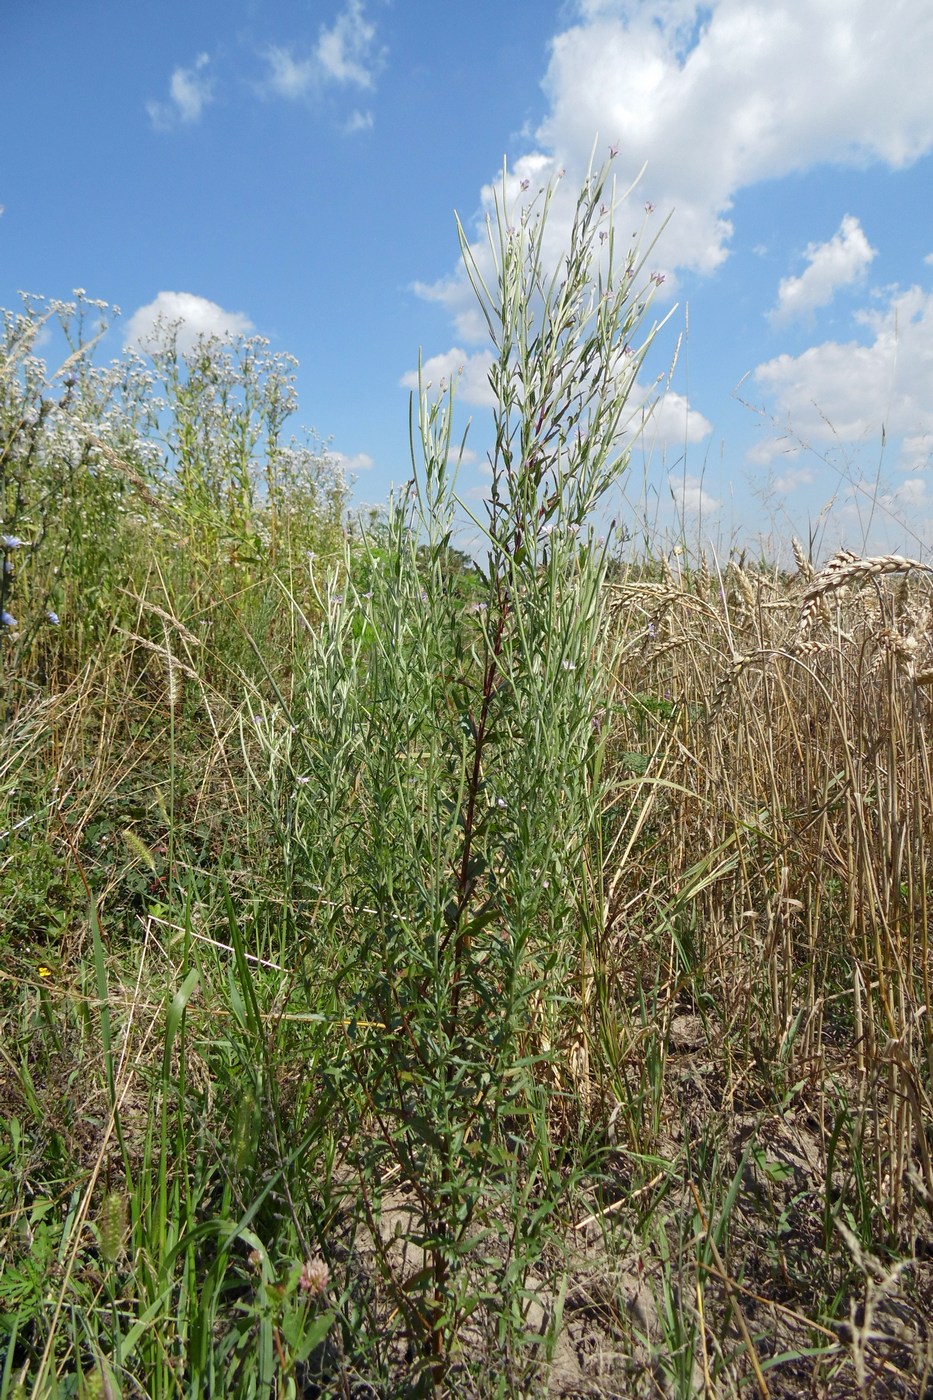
{"points": [[720, 96], [359, 462], [468, 373], [669, 419], [190, 91], [359, 121], [345, 51], [690, 496], [917, 451], [913, 493], [715, 97], [838, 263], [290, 77], [194, 316], [792, 480], [345, 54], [846, 393]]}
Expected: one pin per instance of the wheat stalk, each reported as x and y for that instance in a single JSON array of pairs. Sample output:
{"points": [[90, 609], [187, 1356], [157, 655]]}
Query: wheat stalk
{"points": [[843, 569]]}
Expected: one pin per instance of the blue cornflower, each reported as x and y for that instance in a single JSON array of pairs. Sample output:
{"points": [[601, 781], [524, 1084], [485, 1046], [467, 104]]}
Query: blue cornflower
{"points": [[52, 617], [7, 619]]}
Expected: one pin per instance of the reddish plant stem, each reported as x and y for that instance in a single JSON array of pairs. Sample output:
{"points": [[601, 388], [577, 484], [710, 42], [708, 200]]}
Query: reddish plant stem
{"points": [[464, 883]]}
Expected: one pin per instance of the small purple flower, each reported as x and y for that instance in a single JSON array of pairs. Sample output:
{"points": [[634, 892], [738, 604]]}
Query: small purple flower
{"points": [[649, 207], [657, 278], [12, 542], [524, 185], [613, 152], [52, 617], [7, 619]]}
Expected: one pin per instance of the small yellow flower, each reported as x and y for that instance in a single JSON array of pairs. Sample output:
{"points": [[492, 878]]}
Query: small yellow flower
{"points": [[45, 972]]}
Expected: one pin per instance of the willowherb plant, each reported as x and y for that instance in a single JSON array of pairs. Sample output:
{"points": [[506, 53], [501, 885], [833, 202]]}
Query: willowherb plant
{"points": [[439, 776]]}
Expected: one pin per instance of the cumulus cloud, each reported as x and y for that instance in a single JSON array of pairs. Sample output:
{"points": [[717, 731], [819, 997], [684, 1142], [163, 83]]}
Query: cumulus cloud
{"points": [[670, 420], [913, 492], [190, 91], [838, 263], [848, 392], [711, 98], [345, 54], [792, 480], [690, 496], [193, 317], [716, 97], [917, 451], [468, 373], [359, 462]]}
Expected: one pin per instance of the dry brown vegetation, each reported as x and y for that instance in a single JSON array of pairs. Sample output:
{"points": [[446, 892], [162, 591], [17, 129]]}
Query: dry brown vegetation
{"points": [[754, 1059]]}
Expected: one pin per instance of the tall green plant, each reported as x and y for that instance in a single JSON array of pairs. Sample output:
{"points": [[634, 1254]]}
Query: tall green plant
{"points": [[244, 490], [440, 777], [74, 473]]}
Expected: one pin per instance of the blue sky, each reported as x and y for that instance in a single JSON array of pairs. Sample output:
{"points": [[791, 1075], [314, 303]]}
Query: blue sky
{"points": [[292, 169]]}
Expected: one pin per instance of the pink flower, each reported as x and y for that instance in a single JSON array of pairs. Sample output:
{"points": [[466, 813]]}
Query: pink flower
{"points": [[314, 1277]]}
